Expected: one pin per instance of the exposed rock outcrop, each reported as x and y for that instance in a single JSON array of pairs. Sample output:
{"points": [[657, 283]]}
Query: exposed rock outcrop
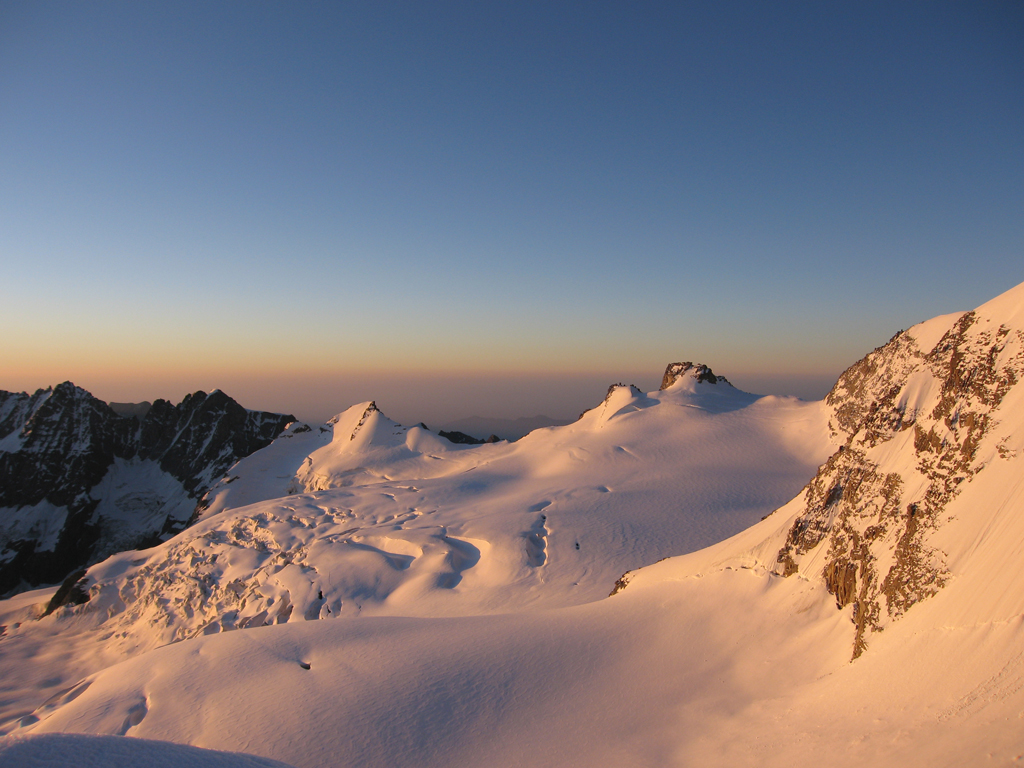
{"points": [[911, 421], [698, 371]]}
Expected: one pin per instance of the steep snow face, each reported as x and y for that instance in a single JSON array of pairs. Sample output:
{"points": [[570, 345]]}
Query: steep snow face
{"points": [[918, 426], [41, 523], [137, 495], [79, 482]]}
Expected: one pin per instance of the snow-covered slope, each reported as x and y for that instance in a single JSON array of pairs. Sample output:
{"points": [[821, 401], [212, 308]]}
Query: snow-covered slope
{"points": [[508, 429], [476, 636]]}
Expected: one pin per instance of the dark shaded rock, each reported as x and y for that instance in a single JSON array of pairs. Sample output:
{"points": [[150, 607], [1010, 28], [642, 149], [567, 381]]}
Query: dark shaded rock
{"points": [[73, 591], [67, 439], [461, 438], [197, 440], [139, 410]]}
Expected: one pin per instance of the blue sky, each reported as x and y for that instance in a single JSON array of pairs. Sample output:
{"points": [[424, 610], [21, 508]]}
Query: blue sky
{"points": [[310, 204]]}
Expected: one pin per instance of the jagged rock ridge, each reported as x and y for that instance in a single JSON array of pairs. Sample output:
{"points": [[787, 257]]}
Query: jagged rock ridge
{"points": [[64, 455]]}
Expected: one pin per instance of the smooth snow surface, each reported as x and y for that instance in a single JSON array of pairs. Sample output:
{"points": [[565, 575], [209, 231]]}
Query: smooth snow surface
{"points": [[385, 598]]}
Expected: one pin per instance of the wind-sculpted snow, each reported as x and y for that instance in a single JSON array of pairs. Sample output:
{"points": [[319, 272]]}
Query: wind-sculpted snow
{"points": [[82, 751]]}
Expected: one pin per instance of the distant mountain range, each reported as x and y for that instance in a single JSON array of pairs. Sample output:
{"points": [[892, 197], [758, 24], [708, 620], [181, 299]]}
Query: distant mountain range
{"points": [[482, 427], [81, 479]]}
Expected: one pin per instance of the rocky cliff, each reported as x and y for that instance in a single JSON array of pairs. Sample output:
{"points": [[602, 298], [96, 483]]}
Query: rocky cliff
{"points": [[79, 482], [918, 419]]}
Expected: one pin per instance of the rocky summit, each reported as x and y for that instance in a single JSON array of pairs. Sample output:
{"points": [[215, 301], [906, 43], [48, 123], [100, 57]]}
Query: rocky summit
{"points": [[697, 371]]}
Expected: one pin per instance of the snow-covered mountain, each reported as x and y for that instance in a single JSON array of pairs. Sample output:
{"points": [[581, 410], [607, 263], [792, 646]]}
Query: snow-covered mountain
{"points": [[364, 517], [79, 482], [367, 594]]}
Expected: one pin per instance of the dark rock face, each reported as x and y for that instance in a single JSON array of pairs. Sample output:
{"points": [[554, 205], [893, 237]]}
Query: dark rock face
{"points": [[72, 592], [698, 371], [876, 534], [197, 440], [461, 438], [67, 442], [58, 444]]}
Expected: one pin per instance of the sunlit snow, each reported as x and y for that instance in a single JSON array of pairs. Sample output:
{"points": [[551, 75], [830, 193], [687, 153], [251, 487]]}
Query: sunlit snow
{"points": [[363, 593]]}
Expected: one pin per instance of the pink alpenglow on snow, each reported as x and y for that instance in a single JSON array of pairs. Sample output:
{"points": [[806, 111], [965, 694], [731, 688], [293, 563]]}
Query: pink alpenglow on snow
{"points": [[794, 584]]}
